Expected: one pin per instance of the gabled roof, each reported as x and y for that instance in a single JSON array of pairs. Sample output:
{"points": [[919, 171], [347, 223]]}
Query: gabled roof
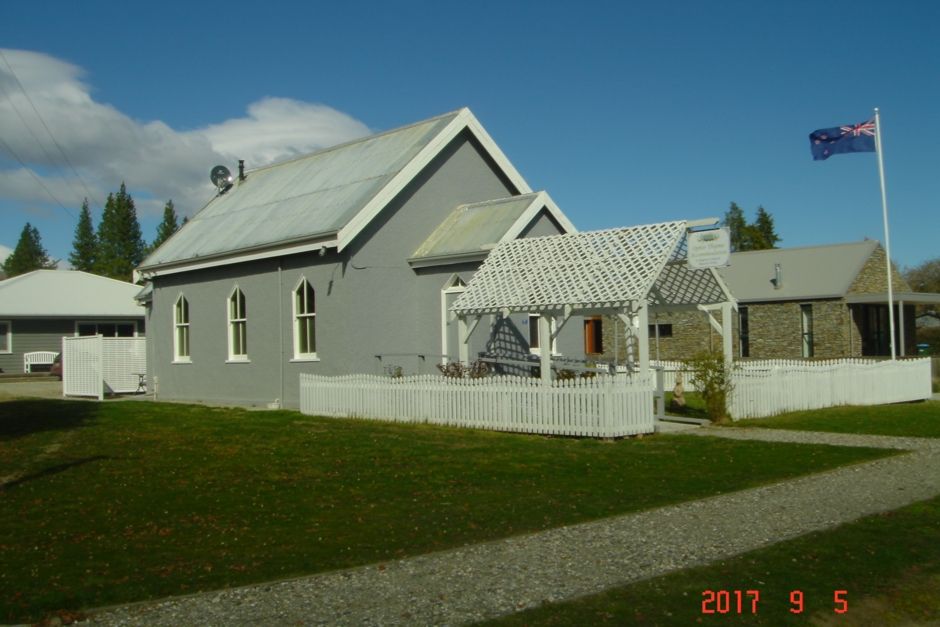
{"points": [[472, 230], [320, 200], [67, 294], [583, 271], [807, 273]]}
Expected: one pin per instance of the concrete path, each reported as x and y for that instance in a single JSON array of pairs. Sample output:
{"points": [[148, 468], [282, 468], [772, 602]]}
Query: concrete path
{"points": [[496, 578]]}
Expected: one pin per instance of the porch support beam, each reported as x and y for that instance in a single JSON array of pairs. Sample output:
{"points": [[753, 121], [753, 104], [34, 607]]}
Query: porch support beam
{"points": [[545, 348], [901, 327]]}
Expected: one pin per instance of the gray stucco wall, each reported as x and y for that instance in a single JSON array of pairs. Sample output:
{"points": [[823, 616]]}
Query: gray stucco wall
{"points": [[369, 301], [41, 334]]}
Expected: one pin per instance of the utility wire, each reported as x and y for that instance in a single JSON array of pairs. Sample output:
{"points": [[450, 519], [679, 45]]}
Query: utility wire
{"points": [[42, 121], [35, 176]]}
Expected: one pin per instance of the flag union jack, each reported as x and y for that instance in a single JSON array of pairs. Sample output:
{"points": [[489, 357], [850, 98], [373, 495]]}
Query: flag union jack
{"points": [[864, 128], [826, 142]]}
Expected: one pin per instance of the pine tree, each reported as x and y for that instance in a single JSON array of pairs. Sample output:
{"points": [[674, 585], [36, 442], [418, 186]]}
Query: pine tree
{"points": [[737, 227], [85, 243], [120, 244], [759, 235], [168, 227], [28, 255], [764, 232]]}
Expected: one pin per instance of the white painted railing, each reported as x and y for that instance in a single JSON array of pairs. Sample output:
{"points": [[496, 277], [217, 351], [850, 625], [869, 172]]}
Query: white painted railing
{"points": [[773, 387], [596, 407], [95, 365]]}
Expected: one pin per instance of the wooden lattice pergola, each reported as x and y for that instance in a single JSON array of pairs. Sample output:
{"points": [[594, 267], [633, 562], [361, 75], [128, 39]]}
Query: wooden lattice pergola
{"points": [[623, 272]]}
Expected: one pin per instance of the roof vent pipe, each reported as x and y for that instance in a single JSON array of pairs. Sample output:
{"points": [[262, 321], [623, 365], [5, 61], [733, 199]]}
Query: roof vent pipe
{"points": [[241, 169], [778, 277]]}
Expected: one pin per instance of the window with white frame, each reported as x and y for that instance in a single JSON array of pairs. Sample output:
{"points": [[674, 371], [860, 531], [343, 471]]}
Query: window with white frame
{"points": [[181, 330], [237, 327], [6, 337], [305, 321], [534, 335]]}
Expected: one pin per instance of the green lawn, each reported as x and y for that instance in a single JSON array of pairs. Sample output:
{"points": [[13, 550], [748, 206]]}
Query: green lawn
{"points": [[888, 565], [112, 502], [903, 419]]}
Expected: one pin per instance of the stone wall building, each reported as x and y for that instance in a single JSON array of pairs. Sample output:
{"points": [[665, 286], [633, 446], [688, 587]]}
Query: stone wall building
{"points": [[822, 302]]}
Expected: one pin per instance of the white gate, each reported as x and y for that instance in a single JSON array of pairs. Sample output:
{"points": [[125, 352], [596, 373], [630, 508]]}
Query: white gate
{"points": [[96, 365]]}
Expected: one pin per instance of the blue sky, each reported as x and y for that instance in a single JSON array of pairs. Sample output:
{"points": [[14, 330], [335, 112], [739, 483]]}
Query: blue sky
{"points": [[626, 113]]}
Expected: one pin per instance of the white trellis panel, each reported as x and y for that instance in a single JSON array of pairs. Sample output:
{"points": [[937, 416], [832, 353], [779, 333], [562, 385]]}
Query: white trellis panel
{"points": [[589, 270], [125, 360], [81, 366], [95, 366]]}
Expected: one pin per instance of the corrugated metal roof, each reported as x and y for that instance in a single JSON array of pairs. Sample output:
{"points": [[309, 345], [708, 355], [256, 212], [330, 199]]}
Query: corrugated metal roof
{"points": [[67, 294], [300, 199], [809, 272], [475, 227]]}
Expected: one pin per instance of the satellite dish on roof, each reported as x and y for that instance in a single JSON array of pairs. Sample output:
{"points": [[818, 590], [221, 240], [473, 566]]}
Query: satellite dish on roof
{"points": [[221, 178]]}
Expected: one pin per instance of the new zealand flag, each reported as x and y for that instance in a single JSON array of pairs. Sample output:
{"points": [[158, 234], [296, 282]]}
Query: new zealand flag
{"points": [[832, 141]]}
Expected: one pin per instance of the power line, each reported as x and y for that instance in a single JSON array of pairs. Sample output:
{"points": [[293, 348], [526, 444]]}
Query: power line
{"points": [[45, 126], [35, 176]]}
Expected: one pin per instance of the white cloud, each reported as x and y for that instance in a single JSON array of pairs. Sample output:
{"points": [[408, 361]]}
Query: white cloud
{"points": [[157, 162]]}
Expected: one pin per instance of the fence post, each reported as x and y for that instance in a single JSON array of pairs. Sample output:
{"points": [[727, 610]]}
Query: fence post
{"points": [[660, 393]]}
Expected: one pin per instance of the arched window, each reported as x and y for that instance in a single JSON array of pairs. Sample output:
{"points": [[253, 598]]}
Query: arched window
{"points": [[237, 327], [305, 321], [181, 330]]}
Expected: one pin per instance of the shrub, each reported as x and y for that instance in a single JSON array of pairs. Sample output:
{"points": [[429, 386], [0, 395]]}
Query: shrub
{"points": [[712, 378]]}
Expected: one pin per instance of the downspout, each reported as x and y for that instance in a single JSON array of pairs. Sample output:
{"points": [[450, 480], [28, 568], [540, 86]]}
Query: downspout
{"points": [[280, 330]]}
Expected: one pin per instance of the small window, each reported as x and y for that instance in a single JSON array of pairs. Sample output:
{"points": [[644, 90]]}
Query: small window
{"points": [[593, 336], [305, 321], [6, 337], [660, 330], [806, 324], [744, 331], [181, 330], [237, 327]]}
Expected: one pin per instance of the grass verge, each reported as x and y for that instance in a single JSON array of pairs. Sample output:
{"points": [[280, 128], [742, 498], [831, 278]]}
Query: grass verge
{"points": [[902, 419], [113, 502], [888, 565]]}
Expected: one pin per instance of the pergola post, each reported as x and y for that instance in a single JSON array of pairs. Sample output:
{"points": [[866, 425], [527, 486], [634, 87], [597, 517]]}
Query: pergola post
{"points": [[545, 348], [643, 337], [726, 333], [463, 340], [901, 351]]}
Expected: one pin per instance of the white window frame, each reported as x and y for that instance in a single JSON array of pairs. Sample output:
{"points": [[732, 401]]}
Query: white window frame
{"points": [[237, 325], [181, 328], [534, 318], [454, 285], [9, 338], [298, 318]]}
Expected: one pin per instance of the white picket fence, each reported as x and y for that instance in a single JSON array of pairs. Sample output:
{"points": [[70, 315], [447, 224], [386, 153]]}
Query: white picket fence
{"points": [[96, 365], [600, 407], [776, 386]]}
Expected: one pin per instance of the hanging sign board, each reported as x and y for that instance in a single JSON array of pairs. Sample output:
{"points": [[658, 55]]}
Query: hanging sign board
{"points": [[709, 249]]}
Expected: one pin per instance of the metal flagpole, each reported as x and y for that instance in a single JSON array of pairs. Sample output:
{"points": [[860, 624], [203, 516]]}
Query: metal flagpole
{"points": [[884, 210]]}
